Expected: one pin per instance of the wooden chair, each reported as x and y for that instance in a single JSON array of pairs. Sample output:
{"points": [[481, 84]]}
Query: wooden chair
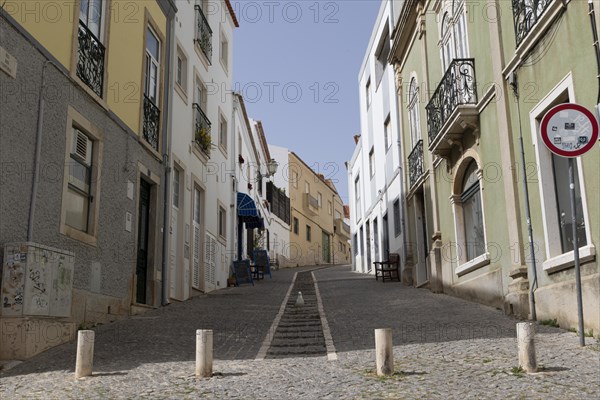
{"points": [[262, 265], [387, 267]]}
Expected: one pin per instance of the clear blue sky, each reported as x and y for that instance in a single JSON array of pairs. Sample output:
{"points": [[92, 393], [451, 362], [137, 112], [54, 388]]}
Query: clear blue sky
{"points": [[314, 47]]}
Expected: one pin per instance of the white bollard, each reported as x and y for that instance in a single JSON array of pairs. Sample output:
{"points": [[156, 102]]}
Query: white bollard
{"points": [[204, 353], [526, 343], [384, 351], [85, 354]]}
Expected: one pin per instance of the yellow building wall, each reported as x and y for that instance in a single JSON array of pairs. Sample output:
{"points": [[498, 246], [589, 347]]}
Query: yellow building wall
{"points": [[49, 22], [304, 252], [54, 25], [126, 49]]}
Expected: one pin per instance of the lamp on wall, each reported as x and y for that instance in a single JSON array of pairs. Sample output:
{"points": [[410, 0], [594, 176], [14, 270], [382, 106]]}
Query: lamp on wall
{"points": [[272, 167]]}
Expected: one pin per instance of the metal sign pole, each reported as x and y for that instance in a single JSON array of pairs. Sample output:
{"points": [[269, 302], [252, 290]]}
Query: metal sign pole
{"points": [[576, 253]]}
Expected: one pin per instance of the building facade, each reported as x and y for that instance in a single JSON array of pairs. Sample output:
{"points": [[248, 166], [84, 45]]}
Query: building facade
{"points": [[376, 171], [83, 120], [473, 82], [202, 148], [316, 213]]}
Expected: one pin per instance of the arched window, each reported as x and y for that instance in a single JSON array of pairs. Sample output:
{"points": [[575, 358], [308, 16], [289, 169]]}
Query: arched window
{"points": [[453, 33], [413, 111], [470, 199]]}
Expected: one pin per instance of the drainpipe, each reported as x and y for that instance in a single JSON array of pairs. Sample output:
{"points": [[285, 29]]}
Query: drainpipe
{"points": [[515, 87], [37, 156], [167, 120], [596, 48], [233, 204]]}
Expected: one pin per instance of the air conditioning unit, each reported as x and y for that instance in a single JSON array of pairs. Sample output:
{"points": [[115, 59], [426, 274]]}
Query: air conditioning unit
{"points": [[82, 146]]}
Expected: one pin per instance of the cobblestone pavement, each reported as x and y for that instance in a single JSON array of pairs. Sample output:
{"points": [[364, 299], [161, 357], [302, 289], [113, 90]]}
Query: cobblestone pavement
{"points": [[444, 348]]}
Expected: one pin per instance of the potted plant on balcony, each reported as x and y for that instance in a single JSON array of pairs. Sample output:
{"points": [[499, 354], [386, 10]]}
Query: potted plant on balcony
{"points": [[204, 140]]}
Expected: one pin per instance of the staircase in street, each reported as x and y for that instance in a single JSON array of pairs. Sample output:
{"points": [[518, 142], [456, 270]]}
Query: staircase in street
{"points": [[299, 332]]}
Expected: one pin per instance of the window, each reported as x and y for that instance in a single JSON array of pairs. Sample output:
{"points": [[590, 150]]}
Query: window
{"points": [[453, 33], [319, 199], [91, 51], [554, 193], [296, 226], [368, 93], [176, 178], [79, 195], [151, 87], [387, 134], [295, 179], [223, 132], [222, 222], [181, 73], [329, 207], [397, 221], [341, 247], [203, 36], [308, 233], [81, 180], [151, 123], [357, 196], [413, 112], [306, 187], [355, 244], [560, 168], [224, 51], [382, 53], [338, 215], [372, 162], [259, 183], [470, 200], [526, 14]]}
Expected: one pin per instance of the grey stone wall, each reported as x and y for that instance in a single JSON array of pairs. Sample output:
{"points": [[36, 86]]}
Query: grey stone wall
{"points": [[116, 248]]}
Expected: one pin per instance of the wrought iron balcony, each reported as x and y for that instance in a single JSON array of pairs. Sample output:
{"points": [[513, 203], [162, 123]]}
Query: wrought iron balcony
{"points": [[90, 60], [415, 163], [452, 108], [203, 33], [526, 13], [151, 123], [202, 125]]}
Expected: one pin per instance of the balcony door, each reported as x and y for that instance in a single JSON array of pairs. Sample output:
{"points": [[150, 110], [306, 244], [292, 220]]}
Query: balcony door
{"points": [[453, 32]]}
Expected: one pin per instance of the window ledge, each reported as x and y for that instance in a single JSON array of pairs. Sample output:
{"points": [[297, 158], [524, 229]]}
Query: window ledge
{"points": [[181, 92], [474, 264], [567, 260]]}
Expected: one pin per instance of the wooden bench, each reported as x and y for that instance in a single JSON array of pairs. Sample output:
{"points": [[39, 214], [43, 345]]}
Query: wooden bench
{"points": [[386, 268]]}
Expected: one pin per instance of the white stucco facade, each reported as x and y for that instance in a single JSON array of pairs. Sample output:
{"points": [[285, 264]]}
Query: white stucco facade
{"points": [[375, 172], [202, 199]]}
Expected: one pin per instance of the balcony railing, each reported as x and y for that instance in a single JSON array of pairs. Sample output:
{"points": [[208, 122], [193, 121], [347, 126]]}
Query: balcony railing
{"points": [[342, 228], [202, 126], [311, 204], [526, 13], [203, 33], [151, 122], [456, 88], [90, 60], [415, 163]]}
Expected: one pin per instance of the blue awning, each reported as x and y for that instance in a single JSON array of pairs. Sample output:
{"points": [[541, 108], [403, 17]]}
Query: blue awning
{"points": [[247, 212]]}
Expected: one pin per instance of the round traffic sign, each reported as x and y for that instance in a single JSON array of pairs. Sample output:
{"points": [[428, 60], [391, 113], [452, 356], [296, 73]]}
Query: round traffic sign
{"points": [[569, 130]]}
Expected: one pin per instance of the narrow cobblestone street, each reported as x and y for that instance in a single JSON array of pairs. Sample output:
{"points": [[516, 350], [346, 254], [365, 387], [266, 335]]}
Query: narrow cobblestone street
{"points": [[444, 347]]}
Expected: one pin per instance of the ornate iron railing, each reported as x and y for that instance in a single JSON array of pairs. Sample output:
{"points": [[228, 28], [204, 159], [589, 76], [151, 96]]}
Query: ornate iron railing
{"points": [[203, 33], [415, 163], [90, 60], [202, 126], [526, 13], [151, 127], [457, 87]]}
